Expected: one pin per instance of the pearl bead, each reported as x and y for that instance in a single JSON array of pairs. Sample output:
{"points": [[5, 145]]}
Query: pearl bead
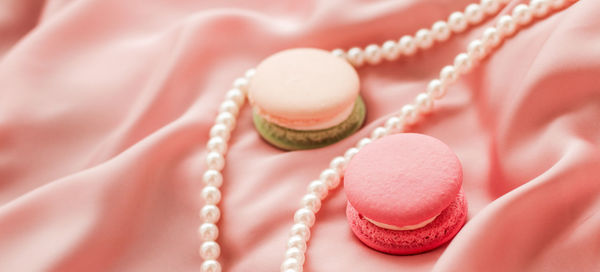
{"points": [[506, 25], [390, 50], [241, 83], [229, 106], [448, 75], [220, 130], [339, 53], [407, 44], [363, 142], [210, 250], [424, 103], [409, 113], [298, 242], [236, 96], [305, 216], [378, 133], [424, 38], [435, 89], [338, 163], [373, 54], [440, 31], [540, 8], [457, 22], [250, 73], [211, 195], [393, 124], [292, 270], [490, 6], [217, 144], [211, 266], [212, 178], [214, 160], [302, 230], [312, 202], [319, 188], [330, 177], [474, 14], [295, 253], [210, 214], [356, 56], [462, 63], [290, 263], [226, 119], [558, 4], [476, 50], [208, 232], [522, 14], [490, 38], [350, 153]]}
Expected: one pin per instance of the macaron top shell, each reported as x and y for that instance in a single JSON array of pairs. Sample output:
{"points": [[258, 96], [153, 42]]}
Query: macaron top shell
{"points": [[403, 179], [310, 85]]}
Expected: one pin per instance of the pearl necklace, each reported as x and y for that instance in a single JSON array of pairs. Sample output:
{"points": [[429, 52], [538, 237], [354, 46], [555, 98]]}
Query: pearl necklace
{"points": [[330, 178]]}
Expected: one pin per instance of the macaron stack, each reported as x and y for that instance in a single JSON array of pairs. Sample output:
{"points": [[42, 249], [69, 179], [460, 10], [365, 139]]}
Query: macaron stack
{"points": [[300, 105], [404, 194]]}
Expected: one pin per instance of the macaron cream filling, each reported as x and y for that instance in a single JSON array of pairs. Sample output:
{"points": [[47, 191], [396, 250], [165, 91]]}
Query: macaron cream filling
{"points": [[307, 124], [407, 227]]}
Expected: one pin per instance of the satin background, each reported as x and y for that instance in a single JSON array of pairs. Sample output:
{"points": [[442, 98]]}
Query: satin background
{"points": [[105, 107]]}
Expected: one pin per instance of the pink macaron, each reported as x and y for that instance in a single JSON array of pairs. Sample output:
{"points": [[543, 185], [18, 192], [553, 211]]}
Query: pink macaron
{"points": [[404, 194]]}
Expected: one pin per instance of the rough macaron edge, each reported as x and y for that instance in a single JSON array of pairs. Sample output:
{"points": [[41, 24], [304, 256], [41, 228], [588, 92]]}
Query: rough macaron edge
{"points": [[291, 139], [408, 242]]}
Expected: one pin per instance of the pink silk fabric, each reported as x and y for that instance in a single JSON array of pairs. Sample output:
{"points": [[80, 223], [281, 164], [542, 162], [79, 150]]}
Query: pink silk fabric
{"points": [[105, 107]]}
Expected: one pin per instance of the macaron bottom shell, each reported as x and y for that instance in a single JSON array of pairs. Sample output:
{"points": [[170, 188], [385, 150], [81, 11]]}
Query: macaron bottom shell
{"points": [[408, 242], [291, 139]]}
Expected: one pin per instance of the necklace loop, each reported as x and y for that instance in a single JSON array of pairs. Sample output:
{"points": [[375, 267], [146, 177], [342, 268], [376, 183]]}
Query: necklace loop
{"points": [[317, 190]]}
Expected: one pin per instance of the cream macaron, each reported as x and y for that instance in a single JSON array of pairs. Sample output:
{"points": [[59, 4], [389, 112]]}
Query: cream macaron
{"points": [[305, 98]]}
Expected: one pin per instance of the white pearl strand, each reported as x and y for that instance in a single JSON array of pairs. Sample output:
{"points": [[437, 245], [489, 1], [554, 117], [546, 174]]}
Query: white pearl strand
{"points": [[330, 178], [424, 38]]}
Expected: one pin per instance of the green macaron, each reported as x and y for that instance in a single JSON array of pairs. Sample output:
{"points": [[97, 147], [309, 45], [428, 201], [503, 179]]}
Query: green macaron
{"points": [[305, 98]]}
